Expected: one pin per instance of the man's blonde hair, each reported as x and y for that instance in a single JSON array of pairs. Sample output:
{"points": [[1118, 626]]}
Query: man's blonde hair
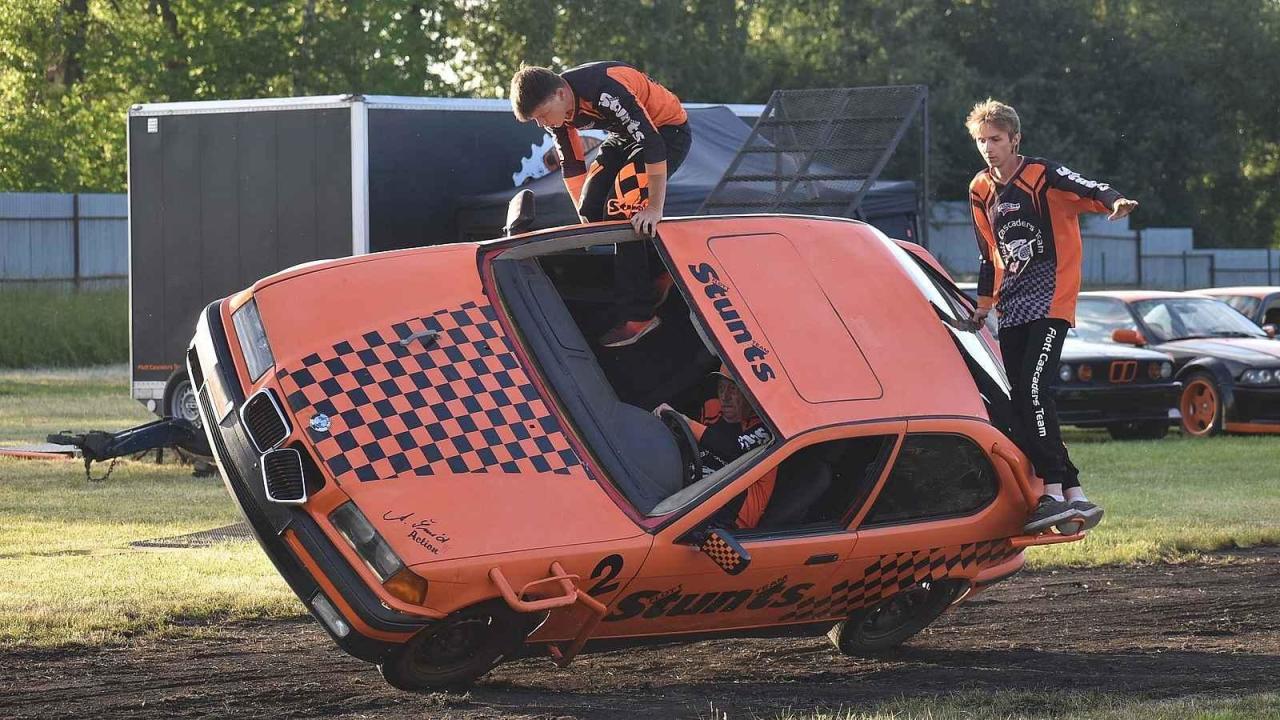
{"points": [[996, 113]]}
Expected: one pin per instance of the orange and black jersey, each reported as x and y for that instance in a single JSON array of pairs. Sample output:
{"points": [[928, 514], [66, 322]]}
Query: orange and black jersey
{"points": [[620, 100], [1028, 232]]}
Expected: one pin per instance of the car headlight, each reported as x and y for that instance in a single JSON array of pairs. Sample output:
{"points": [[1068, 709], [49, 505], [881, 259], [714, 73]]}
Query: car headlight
{"points": [[360, 534], [1166, 370], [1064, 373], [253, 340], [1085, 373]]}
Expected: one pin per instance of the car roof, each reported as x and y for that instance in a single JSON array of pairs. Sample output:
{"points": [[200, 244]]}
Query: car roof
{"points": [[833, 308], [1257, 291], [1133, 295]]}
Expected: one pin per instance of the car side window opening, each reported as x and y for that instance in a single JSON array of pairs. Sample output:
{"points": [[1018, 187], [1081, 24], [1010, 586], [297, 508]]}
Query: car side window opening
{"points": [[934, 476], [819, 487]]}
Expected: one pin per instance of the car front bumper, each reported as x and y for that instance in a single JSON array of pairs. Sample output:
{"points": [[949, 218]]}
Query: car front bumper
{"points": [[290, 537], [1103, 405], [1254, 409]]}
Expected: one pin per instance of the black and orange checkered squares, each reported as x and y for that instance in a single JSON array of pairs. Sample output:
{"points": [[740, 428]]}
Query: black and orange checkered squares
{"points": [[630, 192], [889, 575], [730, 556], [430, 395]]}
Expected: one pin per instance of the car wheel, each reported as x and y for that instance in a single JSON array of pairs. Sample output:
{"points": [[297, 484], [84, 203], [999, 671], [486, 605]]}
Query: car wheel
{"points": [[1139, 430], [881, 627], [1200, 405], [180, 399], [457, 651]]}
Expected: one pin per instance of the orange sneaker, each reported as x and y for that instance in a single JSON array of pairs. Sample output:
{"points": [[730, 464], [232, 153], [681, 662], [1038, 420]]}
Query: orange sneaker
{"points": [[629, 332]]}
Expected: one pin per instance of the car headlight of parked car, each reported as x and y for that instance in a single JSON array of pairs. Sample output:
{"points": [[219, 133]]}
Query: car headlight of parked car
{"points": [[1064, 373], [1160, 370], [1262, 376]]}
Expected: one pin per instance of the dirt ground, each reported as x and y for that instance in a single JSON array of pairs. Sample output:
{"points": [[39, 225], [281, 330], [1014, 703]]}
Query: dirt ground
{"points": [[1162, 631]]}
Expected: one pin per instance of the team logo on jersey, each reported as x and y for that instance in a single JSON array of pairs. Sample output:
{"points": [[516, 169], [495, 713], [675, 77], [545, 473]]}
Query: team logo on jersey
{"points": [[614, 104], [1075, 177], [1006, 208], [1020, 241]]}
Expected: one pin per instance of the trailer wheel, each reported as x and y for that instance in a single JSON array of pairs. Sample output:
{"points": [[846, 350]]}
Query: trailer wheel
{"points": [[459, 650], [180, 399], [877, 629]]}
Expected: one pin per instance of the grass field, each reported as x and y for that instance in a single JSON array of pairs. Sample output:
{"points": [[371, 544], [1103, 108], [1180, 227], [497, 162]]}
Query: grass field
{"points": [[1097, 706], [45, 328], [71, 576]]}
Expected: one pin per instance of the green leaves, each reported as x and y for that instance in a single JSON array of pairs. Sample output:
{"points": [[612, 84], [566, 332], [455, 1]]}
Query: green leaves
{"points": [[1173, 101]]}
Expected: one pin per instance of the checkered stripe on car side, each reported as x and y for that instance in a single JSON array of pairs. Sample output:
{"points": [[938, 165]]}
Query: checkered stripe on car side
{"points": [[722, 554], [401, 402], [890, 574]]}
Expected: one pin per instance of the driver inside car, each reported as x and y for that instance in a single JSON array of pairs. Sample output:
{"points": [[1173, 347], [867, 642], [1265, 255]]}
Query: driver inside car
{"points": [[728, 429]]}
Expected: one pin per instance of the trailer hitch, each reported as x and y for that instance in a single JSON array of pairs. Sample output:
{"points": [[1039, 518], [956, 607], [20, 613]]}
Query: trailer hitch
{"points": [[99, 446]]}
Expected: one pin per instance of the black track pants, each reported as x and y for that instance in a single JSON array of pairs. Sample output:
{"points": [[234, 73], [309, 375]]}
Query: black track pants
{"points": [[615, 189], [1031, 354]]}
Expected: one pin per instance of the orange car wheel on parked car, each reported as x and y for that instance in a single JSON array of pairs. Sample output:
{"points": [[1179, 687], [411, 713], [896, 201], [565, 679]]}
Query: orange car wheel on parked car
{"points": [[881, 627], [1201, 406], [460, 649]]}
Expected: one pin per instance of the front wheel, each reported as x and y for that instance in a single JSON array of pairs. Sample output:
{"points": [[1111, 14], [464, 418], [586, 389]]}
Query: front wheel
{"points": [[1139, 430], [1200, 405], [459, 650], [873, 630]]}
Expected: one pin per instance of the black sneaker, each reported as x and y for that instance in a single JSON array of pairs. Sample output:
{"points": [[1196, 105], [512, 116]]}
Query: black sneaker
{"points": [[1048, 512], [1091, 514]]}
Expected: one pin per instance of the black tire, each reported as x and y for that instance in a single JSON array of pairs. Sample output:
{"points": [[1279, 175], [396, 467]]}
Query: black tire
{"points": [[879, 628], [459, 650], [1139, 430], [180, 399]]}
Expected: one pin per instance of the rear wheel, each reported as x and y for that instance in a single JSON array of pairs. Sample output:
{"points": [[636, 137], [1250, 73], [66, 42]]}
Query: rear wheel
{"points": [[879, 628], [1200, 405], [180, 399], [1139, 430], [457, 651]]}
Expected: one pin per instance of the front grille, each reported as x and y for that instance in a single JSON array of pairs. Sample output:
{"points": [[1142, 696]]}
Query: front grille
{"points": [[282, 476], [1123, 371], [264, 421]]}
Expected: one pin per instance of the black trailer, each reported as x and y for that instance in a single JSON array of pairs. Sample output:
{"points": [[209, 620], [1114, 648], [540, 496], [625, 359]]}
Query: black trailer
{"points": [[224, 193]]}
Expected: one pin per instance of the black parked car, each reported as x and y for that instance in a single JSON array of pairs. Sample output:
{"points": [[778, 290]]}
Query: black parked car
{"points": [[1130, 391], [1229, 367]]}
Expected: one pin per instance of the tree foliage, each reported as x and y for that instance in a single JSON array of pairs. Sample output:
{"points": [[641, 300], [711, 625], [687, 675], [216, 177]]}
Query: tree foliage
{"points": [[1173, 101]]}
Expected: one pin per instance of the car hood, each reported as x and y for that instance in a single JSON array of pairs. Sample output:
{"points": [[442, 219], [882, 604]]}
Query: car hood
{"points": [[461, 516], [1243, 350], [1075, 350]]}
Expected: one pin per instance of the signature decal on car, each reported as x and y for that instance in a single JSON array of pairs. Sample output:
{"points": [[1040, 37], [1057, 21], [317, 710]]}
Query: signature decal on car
{"points": [[426, 532], [718, 292], [674, 602]]}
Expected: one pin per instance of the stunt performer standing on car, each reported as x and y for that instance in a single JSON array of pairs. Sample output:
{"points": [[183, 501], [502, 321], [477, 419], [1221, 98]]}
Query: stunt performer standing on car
{"points": [[1026, 218], [648, 140]]}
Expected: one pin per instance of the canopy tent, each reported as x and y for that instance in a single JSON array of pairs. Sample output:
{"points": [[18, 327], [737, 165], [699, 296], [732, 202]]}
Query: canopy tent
{"points": [[717, 135]]}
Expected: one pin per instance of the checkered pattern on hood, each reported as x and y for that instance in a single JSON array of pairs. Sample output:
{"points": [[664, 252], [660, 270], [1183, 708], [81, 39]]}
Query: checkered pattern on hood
{"points": [[397, 406]]}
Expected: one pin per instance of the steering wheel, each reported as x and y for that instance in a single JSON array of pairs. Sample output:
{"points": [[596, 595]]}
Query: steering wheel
{"points": [[690, 455]]}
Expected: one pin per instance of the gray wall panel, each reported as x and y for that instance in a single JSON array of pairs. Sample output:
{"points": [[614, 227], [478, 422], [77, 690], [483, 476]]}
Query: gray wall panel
{"points": [[219, 251], [257, 191], [333, 183], [296, 188]]}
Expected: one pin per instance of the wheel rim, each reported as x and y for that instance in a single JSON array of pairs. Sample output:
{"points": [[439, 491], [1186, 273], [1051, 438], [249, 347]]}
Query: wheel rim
{"points": [[185, 405], [890, 616], [452, 646], [1199, 407]]}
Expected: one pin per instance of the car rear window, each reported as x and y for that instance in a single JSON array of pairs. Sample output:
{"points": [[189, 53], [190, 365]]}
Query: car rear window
{"points": [[934, 476]]}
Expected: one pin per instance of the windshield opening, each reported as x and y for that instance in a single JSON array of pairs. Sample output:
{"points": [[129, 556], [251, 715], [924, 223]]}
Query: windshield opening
{"points": [[1182, 318]]}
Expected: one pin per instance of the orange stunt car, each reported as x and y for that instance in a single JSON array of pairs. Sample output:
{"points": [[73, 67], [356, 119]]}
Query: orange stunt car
{"points": [[449, 471]]}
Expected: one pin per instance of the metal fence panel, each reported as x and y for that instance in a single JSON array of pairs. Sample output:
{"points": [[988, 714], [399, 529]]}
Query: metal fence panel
{"points": [[42, 242]]}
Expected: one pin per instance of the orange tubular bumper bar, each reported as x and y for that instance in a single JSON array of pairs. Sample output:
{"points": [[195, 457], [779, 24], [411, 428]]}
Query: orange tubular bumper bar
{"points": [[572, 595], [1019, 473], [1023, 541]]}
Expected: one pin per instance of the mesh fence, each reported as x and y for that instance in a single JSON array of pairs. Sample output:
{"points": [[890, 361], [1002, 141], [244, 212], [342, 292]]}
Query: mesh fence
{"points": [[238, 532], [816, 151]]}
